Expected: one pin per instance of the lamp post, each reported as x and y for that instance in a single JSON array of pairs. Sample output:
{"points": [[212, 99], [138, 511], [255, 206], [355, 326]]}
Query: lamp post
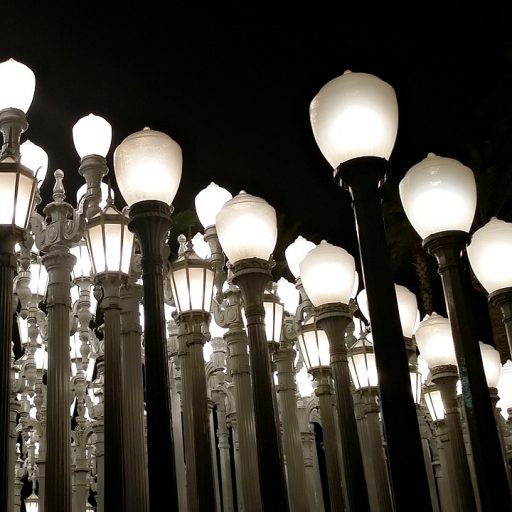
{"points": [[444, 229], [110, 245], [192, 288], [328, 274], [354, 119], [490, 253], [17, 191], [147, 165], [314, 346], [435, 343], [237, 222]]}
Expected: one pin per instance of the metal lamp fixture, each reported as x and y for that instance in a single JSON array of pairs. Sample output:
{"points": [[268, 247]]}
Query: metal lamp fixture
{"points": [[489, 253], [450, 186], [361, 362], [148, 168], [354, 119]]}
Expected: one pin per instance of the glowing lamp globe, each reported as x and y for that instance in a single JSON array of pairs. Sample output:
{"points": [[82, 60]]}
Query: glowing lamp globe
{"points": [[147, 166], [354, 115], [492, 364], [439, 194], [92, 135], [490, 254], [209, 202], [435, 341], [295, 253], [17, 85], [35, 158], [328, 274], [505, 385], [247, 228]]}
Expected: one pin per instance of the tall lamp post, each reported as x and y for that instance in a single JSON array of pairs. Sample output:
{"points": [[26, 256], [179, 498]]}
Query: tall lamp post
{"points": [[249, 256], [354, 119], [192, 288], [450, 186], [17, 191], [490, 253], [435, 343], [328, 274], [148, 166]]}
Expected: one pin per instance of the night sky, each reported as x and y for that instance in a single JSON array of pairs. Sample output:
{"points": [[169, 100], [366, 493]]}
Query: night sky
{"points": [[231, 82]]}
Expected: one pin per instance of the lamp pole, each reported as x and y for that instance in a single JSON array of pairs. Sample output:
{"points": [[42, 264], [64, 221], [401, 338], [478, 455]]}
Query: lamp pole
{"points": [[360, 165]]}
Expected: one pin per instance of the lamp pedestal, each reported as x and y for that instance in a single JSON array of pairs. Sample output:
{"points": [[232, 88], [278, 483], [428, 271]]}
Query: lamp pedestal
{"points": [[150, 221], [334, 320], [362, 177], [447, 247], [252, 276]]}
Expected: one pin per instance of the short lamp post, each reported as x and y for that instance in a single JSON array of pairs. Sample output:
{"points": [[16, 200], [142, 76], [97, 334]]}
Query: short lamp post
{"points": [[354, 118], [148, 166], [249, 256], [192, 287], [110, 245], [314, 346], [435, 343], [450, 186], [17, 192], [328, 274], [490, 253]]}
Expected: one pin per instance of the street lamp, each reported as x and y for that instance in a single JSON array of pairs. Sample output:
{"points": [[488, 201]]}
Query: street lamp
{"points": [[17, 193], [490, 253], [249, 255], [192, 288], [148, 166], [314, 346], [450, 186], [435, 343], [354, 118], [328, 274]]}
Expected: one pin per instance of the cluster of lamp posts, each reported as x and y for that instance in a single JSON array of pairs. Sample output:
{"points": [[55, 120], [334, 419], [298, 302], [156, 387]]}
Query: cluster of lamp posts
{"points": [[132, 431]]}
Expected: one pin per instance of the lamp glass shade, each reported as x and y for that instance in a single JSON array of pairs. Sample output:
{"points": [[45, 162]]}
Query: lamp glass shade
{"points": [[314, 346], [304, 382], [439, 194], [416, 385], [41, 358], [328, 274], [354, 115], [32, 503], [35, 158], [209, 202], [17, 85], [491, 360], [505, 385], [17, 192], [38, 278], [434, 402], [192, 283], [361, 361], [92, 135], [201, 247], [295, 253], [274, 314], [490, 254], [110, 242], [239, 221], [82, 267], [288, 294], [148, 166], [435, 342]]}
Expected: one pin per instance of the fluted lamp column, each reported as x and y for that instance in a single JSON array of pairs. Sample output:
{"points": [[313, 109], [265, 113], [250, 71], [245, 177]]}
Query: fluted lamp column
{"points": [[354, 118], [148, 166], [435, 343], [328, 274], [237, 222], [192, 287], [450, 186], [110, 245], [314, 346], [490, 254], [17, 191]]}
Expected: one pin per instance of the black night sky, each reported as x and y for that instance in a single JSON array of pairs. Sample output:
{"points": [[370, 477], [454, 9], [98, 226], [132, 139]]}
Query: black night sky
{"points": [[231, 82]]}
